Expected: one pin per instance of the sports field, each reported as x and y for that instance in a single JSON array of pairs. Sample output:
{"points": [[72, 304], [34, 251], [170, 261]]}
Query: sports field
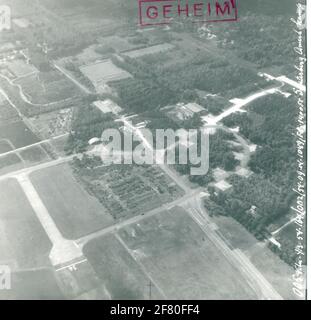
{"points": [[74, 211]]}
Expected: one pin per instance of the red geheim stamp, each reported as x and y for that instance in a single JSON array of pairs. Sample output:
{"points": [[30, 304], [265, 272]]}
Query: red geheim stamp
{"points": [[159, 12]]}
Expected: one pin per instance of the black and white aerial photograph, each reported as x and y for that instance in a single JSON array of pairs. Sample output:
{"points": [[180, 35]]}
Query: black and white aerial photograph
{"points": [[153, 150]]}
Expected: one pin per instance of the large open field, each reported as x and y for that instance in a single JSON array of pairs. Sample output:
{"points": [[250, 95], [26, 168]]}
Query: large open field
{"points": [[7, 112], [18, 134], [37, 284], [276, 271], [123, 278], [5, 146], [74, 211], [10, 162], [47, 87], [23, 242], [171, 249], [33, 155], [82, 283]]}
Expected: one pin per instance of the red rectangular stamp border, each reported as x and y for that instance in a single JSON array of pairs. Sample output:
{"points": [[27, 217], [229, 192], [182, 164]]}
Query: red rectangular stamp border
{"points": [[142, 24]]}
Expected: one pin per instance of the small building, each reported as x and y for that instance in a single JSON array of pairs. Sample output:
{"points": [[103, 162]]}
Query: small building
{"points": [[21, 23], [275, 242], [222, 185], [183, 111], [253, 210], [194, 107], [252, 147], [220, 174], [107, 106]]}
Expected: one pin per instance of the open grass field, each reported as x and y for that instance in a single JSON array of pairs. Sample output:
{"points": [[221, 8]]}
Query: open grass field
{"points": [[59, 145], [33, 285], [172, 246], [122, 276], [82, 283], [276, 271], [20, 68], [234, 233], [47, 87], [74, 211], [10, 162], [174, 253], [5, 146], [34, 155], [18, 134], [23, 242], [7, 112]]}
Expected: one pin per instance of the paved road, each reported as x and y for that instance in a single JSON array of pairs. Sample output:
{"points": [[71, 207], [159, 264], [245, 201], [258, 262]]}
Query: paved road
{"points": [[170, 172], [32, 145], [290, 82], [238, 104], [255, 279], [71, 78], [116, 227], [40, 166], [63, 250]]}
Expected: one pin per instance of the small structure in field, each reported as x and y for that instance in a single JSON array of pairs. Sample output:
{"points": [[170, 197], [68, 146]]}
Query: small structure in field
{"points": [[222, 185], [107, 106]]}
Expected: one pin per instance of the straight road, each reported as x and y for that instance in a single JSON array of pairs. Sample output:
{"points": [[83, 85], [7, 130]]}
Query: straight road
{"points": [[63, 250], [253, 276], [116, 227], [40, 166], [71, 78], [33, 145], [170, 172], [238, 104]]}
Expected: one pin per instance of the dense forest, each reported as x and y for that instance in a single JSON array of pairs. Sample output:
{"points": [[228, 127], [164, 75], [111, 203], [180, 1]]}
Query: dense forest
{"points": [[159, 86], [269, 125]]}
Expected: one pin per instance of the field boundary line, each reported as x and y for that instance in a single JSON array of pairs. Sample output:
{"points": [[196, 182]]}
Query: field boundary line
{"points": [[140, 264]]}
